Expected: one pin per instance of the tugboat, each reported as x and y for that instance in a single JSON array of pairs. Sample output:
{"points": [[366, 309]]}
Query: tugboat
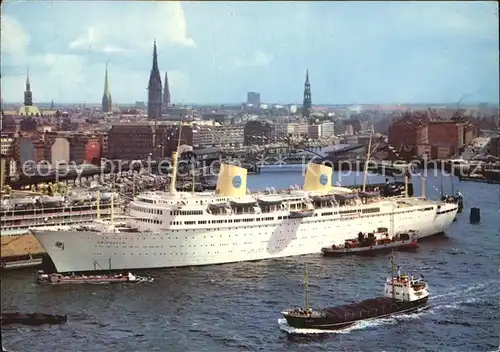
{"points": [[402, 294], [374, 241], [59, 279]]}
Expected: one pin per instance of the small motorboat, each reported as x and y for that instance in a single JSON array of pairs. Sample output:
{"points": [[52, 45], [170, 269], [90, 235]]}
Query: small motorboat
{"points": [[32, 318], [375, 241], [59, 279]]}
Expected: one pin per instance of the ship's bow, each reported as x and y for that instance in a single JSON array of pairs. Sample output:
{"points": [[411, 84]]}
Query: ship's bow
{"points": [[67, 250]]}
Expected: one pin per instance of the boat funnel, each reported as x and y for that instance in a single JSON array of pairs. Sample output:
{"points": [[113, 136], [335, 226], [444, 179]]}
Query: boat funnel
{"points": [[318, 177], [232, 181]]}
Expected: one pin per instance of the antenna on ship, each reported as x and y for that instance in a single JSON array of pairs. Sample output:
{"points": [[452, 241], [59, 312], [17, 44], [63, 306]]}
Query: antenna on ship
{"points": [[393, 264], [406, 183], [98, 209], [442, 192], [365, 175], [173, 178], [112, 208], [306, 285]]}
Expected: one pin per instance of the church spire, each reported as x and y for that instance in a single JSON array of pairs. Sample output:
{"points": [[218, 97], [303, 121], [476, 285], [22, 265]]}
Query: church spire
{"points": [[166, 92], [28, 86], [28, 97], [306, 106], [155, 57], [154, 88], [106, 96]]}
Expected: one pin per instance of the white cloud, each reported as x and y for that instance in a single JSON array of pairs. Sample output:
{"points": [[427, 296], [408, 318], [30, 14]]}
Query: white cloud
{"points": [[123, 33], [14, 39], [87, 40], [175, 24], [52, 76], [257, 59], [110, 49]]}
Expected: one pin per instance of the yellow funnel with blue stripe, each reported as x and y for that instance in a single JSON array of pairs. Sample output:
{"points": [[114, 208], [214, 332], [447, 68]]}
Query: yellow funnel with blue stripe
{"points": [[318, 177], [232, 181]]}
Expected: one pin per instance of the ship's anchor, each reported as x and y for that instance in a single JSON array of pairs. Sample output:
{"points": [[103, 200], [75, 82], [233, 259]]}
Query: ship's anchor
{"points": [[60, 245]]}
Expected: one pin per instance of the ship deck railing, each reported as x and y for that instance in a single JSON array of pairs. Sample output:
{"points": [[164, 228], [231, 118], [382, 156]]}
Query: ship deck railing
{"points": [[58, 214], [57, 221]]}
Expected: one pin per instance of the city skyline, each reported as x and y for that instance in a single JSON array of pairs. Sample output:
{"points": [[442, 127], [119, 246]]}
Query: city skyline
{"points": [[356, 53]]}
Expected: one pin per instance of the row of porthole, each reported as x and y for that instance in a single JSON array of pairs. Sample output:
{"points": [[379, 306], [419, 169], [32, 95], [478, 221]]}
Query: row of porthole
{"points": [[99, 254], [181, 246], [236, 235], [307, 222], [169, 238]]}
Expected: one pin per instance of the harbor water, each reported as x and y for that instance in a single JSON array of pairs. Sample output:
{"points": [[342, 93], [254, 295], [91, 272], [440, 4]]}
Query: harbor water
{"points": [[236, 307]]}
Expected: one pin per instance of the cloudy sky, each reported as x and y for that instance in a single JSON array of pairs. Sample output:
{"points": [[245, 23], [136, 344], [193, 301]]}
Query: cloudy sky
{"points": [[215, 52]]}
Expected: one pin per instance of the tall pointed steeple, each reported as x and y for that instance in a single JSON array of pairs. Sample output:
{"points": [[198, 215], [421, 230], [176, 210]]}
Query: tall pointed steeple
{"points": [[28, 97], [306, 106], [154, 88], [166, 92], [107, 105]]}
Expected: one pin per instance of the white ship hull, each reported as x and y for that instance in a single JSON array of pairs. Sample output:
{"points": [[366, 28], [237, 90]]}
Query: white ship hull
{"points": [[229, 242]]}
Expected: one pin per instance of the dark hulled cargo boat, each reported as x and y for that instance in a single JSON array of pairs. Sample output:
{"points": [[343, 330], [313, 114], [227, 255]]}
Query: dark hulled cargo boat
{"points": [[402, 294]]}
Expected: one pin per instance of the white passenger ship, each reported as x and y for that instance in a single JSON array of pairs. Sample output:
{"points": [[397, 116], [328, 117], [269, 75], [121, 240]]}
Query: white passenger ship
{"points": [[232, 225]]}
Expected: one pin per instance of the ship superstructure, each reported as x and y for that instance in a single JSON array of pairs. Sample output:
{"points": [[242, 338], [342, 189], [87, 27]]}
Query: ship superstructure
{"points": [[232, 224], [19, 214]]}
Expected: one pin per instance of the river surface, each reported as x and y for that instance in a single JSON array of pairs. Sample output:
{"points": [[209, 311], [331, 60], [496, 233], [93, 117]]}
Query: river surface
{"points": [[236, 307]]}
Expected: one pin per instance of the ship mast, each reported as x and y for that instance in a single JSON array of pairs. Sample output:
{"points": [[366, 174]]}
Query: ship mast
{"points": [[193, 178], [173, 178], [112, 208], [133, 186], [306, 285], [422, 178], [365, 175]]}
